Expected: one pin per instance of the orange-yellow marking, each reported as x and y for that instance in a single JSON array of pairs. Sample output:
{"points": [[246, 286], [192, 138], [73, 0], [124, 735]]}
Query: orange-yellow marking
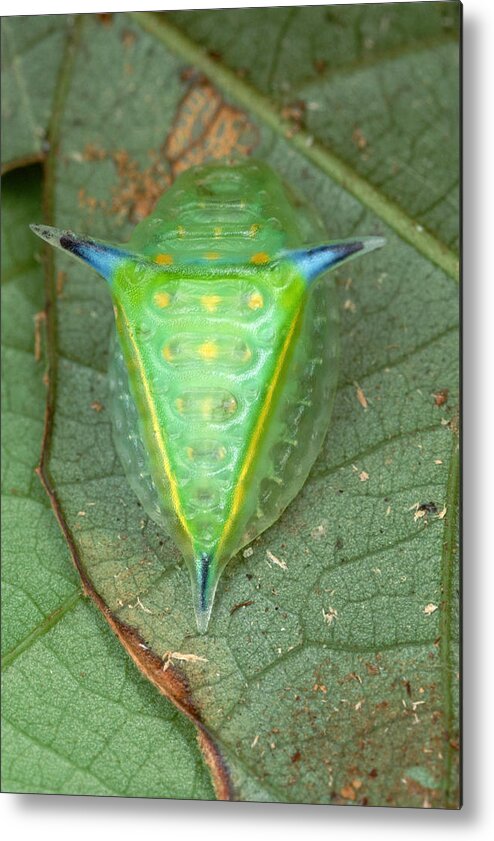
{"points": [[158, 437], [207, 407], [179, 403], [162, 299], [181, 231], [221, 453], [210, 302], [253, 230], [256, 434], [167, 353], [164, 259], [259, 258], [190, 452], [208, 350], [218, 232], [256, 301], [212, 255]]}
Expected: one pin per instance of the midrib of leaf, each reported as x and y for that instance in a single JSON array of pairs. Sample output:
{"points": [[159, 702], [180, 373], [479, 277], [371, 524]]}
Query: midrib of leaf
{"points": [[331, 164], [46, 625]]}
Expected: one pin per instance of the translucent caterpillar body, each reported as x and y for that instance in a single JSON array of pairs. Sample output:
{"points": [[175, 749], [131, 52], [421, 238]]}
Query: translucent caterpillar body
{"points": [[226, 359]]}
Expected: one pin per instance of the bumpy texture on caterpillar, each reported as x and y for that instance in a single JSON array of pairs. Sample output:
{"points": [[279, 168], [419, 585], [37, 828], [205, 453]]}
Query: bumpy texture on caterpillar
{"points": [[225, 364]]}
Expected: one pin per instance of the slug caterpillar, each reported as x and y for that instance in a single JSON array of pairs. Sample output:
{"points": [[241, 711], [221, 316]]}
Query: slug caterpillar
{"points": [[225, 361]]}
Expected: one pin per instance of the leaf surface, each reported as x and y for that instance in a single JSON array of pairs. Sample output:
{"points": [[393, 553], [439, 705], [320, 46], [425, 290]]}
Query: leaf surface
{"points": [[333, 679], [31, 55]]}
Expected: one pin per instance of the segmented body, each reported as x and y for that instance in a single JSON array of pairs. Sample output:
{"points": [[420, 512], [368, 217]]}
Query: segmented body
{"points": [[226, 364]]}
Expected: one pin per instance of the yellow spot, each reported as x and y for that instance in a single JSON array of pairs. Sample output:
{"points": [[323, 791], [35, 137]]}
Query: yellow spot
{"points": [[210, 302], [179, 403], [221, 453], [253, 230], [190, 452], [181, 231], [256, 301], [259, 258], [167, 353], [217, 232], [162, 299], [163, 259], [211, 255], [207, 407], [246, 354], [208, 350]]}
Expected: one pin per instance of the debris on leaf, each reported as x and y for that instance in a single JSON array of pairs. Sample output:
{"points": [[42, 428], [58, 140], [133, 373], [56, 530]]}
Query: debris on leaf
{"points": [[178, 655], [318, 531], [39, 318], [60, 282], [359, 139], [430, 608], [441, 396], [428, 507], [278, 561], [363, 476], [348, 792], [422, 509], [239, 605], [140, 604], [330, 615], [362, 399], [247, 553]]}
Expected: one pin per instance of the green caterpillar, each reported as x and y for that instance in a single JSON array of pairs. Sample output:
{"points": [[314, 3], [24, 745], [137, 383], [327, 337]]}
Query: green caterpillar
{"points": [[225, 364]]}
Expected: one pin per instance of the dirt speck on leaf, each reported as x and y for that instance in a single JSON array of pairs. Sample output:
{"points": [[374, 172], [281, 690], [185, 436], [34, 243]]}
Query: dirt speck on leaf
{"points": [[441, 396], [362, 399], [348, 792], [278, 561]]}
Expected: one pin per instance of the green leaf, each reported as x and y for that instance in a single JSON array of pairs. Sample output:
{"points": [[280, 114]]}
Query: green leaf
{"points": [[31, 55], [77, 716], [377, 84], [333, 679]]}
